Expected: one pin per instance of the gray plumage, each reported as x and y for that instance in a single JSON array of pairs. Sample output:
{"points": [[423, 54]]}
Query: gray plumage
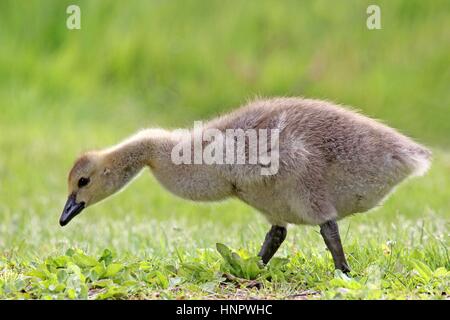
{"points": [[333, 162]]}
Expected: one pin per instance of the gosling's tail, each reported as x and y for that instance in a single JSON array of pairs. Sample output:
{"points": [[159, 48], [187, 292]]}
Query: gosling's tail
{"points": [[419, 159]]}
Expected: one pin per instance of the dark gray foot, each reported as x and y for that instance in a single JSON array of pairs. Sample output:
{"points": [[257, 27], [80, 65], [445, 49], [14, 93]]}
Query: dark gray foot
{"points": [[330, 233], [274, 239]]}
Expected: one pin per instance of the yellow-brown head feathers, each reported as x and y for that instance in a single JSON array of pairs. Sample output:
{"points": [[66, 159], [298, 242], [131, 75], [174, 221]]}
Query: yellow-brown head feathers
{"points": [[98, 174], [88, 183], [83, 166]]}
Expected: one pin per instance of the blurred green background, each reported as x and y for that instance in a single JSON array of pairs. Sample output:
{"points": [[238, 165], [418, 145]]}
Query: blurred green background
{"points": [[138, 64], [144, 63]]}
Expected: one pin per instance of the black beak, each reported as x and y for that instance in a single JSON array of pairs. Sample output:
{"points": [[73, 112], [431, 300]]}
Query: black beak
{"points": [[71, 209]]}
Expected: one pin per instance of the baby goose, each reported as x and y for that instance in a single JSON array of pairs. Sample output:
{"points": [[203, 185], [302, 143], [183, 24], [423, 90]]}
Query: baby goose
{"points": [[332, 162]]}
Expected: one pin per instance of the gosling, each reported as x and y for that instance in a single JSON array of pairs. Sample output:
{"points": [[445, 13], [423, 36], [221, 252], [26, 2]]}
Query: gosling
{"points": [[331, 162]]}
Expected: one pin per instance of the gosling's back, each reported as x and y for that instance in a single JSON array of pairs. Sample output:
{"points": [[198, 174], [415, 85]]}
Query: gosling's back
{"points": [[333, 161]]}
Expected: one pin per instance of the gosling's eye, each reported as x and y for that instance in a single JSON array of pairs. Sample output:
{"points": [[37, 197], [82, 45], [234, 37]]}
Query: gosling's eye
{"points": [[82, 182]]}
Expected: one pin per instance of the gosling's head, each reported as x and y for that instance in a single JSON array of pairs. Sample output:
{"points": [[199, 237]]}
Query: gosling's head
{"points": [[92, 178]]}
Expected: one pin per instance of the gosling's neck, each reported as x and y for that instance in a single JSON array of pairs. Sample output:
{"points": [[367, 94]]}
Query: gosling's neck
{"points": [[145, 148], [153, 148]]}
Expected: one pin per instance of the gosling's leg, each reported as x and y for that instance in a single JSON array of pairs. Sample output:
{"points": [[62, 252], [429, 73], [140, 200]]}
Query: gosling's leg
{"points": [[274, 239], [330, 233]]}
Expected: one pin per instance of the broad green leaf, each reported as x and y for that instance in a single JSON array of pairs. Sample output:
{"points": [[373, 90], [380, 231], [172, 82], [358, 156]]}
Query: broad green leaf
{"points": [[62, 275], [102, 283], [107, 257], [422, 269], [158, 278], [113, 269], [39, 273], [61, 261], [224, 251], [278, 263], [84, 261], [441, 272]]}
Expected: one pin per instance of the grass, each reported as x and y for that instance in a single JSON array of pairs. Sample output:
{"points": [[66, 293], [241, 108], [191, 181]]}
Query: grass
{"points": [[166, 248], [168, 63]]}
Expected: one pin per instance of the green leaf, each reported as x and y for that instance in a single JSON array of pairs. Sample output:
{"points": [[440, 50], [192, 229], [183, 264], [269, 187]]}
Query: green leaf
{"points": [[440, 272], [71, 293], [70, 252], [278, 263], [62, 275], [232, 258], [84, 261], [102, 283], [39, 273], [97, 272], [77, 271], [113, 269], [422, 269], [112, 292], [158, 278], [107, 257], [61, 261], [224, 251]]}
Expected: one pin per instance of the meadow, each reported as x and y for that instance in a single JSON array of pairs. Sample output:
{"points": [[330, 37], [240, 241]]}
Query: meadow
{"points": [[143, 64]]}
